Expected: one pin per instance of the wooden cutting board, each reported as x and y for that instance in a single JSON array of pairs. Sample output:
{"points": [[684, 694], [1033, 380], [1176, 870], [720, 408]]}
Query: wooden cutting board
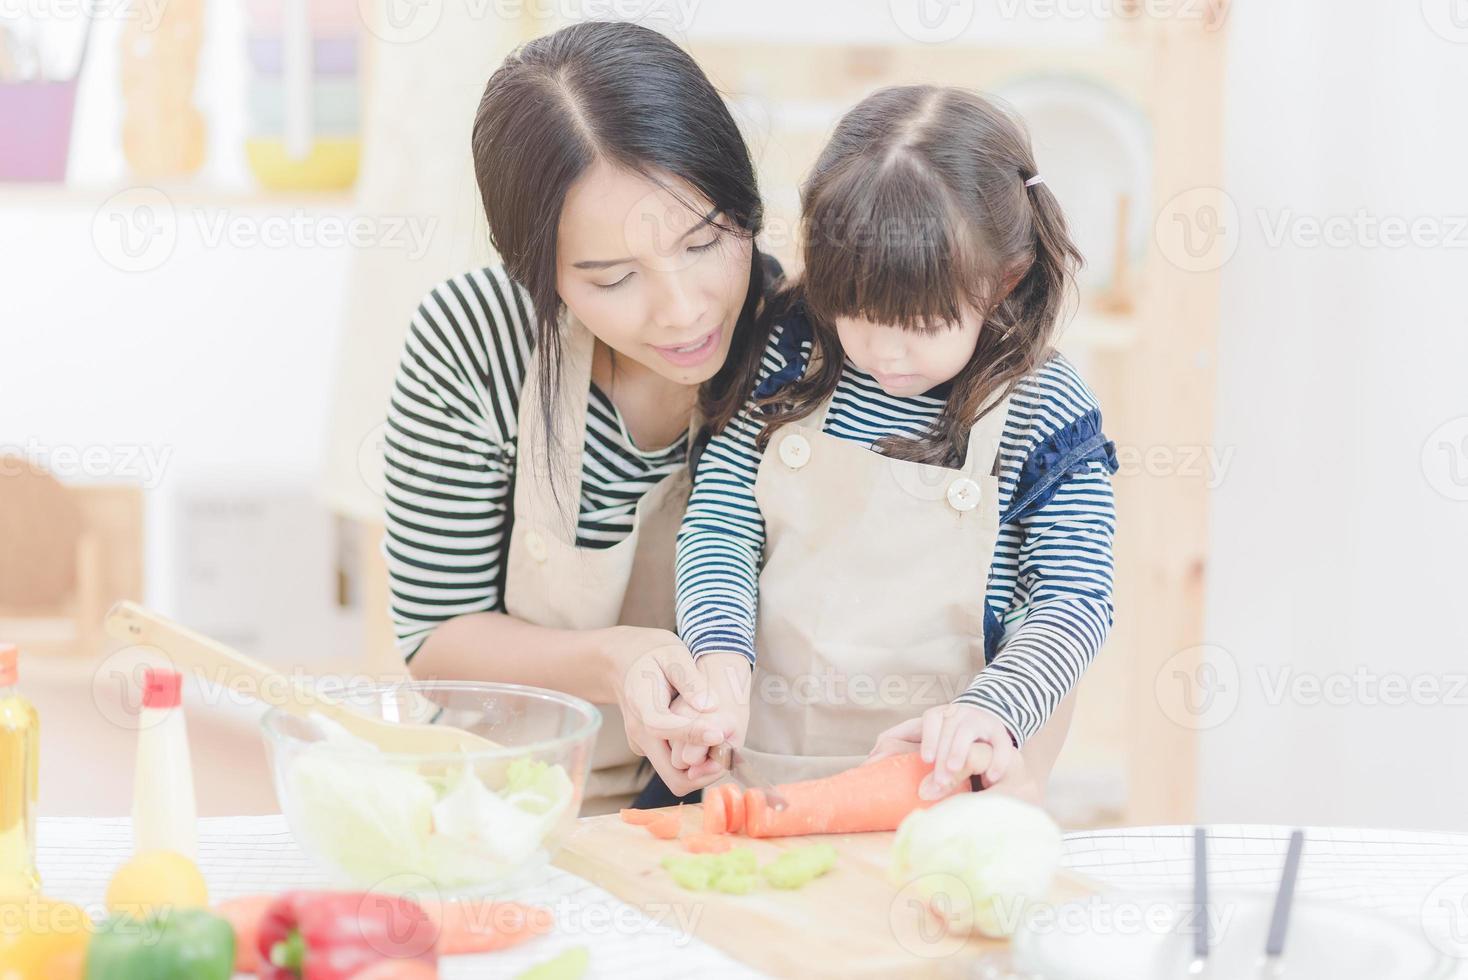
{"points": [[850, 922]]}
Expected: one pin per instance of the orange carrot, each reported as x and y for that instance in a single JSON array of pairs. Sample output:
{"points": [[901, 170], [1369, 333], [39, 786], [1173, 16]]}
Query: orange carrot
{"points": [[667, 825], [874, 796], [715, 812], [639, 818], [707, 843], [723, 809], [482, 926], [398, 970], [244, 915], [734, 806]]}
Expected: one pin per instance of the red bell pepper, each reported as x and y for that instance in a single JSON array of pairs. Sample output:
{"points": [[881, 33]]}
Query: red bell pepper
{"points": [[309, 935]]}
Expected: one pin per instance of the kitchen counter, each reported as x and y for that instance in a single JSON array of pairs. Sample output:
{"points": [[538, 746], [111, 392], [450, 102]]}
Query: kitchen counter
{"points": [[1418, 878]]}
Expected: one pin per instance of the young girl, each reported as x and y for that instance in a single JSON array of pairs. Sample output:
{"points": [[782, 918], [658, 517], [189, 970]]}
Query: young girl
{"points": [[918, 491]]}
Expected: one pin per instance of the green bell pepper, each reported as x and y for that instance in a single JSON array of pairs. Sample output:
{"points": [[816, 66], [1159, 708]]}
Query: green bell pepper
{"points": [[183, 944]]}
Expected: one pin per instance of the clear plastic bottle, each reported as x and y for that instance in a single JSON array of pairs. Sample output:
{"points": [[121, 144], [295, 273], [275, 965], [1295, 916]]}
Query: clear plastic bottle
{"points": [[164, 810], [20, 732]]}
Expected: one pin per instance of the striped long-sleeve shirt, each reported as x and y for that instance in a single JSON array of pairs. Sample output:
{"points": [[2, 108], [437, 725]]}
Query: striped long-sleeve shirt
{"points": [[1049, 600], [452, 430]]}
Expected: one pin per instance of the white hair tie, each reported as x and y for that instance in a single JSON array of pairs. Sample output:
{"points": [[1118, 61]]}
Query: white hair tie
{"points": [[1037, 179]]}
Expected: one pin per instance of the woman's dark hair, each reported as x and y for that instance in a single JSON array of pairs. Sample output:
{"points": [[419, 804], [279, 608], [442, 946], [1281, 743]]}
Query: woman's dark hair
{"points": [[916, 210], [627, 95]]}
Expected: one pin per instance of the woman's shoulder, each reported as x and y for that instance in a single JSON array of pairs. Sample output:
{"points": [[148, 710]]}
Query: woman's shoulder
{"points": [[485, 306], [475, 330]]}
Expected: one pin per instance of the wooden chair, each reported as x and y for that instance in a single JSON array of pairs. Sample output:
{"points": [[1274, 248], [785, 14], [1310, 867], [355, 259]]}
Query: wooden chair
{"points": [[69, 552]]}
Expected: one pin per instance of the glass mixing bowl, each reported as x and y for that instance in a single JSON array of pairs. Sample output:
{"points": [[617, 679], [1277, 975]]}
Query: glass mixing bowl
{"points": [[454, 824]]}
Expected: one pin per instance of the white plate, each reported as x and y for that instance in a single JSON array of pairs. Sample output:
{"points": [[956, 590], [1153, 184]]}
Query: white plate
{"points": [[1127, 936], [1092, 145]]}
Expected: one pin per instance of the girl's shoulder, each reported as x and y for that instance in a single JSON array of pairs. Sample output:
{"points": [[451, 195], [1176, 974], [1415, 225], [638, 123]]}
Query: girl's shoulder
{"points": [[787, 350], [1054, 396], [1053, 430]]}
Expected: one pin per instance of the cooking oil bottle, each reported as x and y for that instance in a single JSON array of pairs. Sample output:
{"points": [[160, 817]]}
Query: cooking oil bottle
{"points": [[20, 730]]}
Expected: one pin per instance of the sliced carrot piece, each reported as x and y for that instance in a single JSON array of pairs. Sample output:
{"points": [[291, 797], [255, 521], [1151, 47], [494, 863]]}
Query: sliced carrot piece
{"points": [[483, 926], [640, 818], [398, 970], [667, 825], [872, 797], [734, 805], [707, 843], [715, 813]]}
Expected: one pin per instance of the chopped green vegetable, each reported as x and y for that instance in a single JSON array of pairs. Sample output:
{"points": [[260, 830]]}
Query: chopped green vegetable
{"points": [[737, 872], [800, 865], [700, 872], [570, 965], [736, 883]]}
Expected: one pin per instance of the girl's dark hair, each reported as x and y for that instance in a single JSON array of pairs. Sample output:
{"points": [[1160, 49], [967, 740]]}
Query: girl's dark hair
{"points": [[916, 210], [628, 95]]}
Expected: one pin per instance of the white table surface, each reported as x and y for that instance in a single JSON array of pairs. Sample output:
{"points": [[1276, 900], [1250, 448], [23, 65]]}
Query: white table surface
{"points": [[1419, 878]]}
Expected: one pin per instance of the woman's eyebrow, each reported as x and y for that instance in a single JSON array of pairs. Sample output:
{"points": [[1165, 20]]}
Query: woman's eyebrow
{"points": [[606, 263]]}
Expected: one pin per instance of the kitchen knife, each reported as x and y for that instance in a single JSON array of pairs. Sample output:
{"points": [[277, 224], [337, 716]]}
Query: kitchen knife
{"points": [[747, 776]]}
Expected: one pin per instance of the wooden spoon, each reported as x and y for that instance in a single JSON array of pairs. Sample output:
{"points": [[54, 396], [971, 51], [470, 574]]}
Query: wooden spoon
{"points": [[218, 664]]}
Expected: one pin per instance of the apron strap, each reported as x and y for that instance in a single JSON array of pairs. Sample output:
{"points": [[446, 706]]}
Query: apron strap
{"points": [[534, 499]]}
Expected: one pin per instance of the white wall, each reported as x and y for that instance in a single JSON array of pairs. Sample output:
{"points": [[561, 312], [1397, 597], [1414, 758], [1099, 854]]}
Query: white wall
{"points": [[1334, 546]]}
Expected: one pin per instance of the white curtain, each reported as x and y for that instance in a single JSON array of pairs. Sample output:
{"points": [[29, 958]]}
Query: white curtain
{"points": [[416, 169], [1340, 526]]}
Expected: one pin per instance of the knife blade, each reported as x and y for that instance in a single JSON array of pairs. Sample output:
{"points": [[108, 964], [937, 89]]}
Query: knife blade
{"points": [[747, 776]]}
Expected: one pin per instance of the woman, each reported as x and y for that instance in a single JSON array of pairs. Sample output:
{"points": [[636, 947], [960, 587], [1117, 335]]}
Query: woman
{"points": [[539, 428]]}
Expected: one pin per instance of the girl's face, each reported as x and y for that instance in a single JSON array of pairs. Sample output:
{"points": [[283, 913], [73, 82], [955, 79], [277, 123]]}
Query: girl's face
{"points": [[651, 276], [908, 362]]}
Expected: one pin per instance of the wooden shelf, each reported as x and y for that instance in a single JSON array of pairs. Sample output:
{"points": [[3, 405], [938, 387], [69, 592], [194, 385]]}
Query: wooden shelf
{"points": [[188, 194]]}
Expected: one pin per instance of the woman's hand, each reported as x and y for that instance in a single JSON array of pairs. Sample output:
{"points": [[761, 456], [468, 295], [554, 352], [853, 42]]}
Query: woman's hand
{"points": [[646, 670], [728, 677], [960, 740]]}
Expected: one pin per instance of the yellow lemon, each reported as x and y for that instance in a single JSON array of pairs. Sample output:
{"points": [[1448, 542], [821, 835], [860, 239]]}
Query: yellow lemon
{"points": [[156, 880], [16, 884], [43, 939]]}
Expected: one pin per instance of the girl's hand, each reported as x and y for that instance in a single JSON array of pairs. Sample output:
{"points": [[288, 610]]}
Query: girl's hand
{"points": [[947, 736], [728, 677], [647, 669]]}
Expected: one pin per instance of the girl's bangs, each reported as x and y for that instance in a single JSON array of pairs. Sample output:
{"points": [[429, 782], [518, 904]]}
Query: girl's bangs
{"points": [[886, 246]]}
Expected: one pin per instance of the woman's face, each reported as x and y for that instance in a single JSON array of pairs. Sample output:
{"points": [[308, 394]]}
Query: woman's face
{"points": [[649, 273]]}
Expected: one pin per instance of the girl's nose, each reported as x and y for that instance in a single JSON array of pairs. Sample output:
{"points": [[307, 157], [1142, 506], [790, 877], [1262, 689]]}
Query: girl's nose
{"points": [[888, 344]]}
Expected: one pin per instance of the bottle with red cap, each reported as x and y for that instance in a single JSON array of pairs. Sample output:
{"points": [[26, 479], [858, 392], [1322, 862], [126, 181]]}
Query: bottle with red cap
{"points": [[164, 811], [20, 732]]}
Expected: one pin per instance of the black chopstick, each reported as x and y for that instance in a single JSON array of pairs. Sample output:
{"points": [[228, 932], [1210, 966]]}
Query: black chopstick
{"points": [[1279, 922], [1200, 898]]}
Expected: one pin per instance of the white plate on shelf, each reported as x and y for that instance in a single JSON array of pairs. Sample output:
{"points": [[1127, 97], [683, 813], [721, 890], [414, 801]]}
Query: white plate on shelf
{"points": [[1092, 145], [1141, 936]]}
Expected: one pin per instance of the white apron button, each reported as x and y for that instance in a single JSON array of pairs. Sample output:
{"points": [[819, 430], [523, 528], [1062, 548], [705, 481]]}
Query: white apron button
{"points": [[795, 450], [535, 545], [963, 494]]}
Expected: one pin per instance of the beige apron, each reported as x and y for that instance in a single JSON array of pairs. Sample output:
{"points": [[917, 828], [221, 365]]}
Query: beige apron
{"points": [[551, 582], [871, 599]]}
